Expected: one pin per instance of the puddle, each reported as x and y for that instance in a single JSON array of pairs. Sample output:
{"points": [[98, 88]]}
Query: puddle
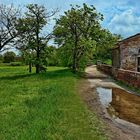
{"points": [[120, 105]]}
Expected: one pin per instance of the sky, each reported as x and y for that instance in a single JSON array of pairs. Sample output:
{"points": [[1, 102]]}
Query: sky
{"points": [[120, 16]]}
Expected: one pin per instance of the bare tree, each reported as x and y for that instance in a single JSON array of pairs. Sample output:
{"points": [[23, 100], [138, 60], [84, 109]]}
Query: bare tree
{"points": [[8, 21]]}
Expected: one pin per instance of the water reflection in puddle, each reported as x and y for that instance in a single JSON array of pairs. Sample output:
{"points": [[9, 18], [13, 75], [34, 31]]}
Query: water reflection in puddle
{"points": [[120, 104]]}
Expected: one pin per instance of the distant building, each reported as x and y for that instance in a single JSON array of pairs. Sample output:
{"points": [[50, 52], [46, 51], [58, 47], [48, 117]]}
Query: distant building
{"points": [[126, 54]]}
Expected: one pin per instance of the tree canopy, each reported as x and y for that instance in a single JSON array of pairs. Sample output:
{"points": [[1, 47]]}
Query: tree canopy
{"points": [[73, 33], [9, 57], [32, 42], [78, 34]]}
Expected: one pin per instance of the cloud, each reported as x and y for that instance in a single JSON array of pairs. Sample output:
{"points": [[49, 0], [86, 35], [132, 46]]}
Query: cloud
{"points": [[126, 23], [121, 16]]}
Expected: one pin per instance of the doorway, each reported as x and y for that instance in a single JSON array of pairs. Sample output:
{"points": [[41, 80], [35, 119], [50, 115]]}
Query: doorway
{"points": [[138, 64]]}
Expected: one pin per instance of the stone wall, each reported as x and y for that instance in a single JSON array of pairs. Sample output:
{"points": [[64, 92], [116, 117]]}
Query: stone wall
{"points": [[129, 50], [116, 57], [131, 78], [126, 52], [105, 68]]}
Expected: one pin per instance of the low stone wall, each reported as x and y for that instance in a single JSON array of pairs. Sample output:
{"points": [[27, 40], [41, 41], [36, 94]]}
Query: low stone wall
{"points": [[105, 68], [131, 78]]}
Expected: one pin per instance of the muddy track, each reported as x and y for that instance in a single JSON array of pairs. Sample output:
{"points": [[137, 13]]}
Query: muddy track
{"points": [[88, 93]]}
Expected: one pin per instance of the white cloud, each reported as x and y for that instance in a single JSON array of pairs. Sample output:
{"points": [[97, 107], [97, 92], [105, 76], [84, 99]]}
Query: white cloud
{"points": [[120, 16], [126, 23]]}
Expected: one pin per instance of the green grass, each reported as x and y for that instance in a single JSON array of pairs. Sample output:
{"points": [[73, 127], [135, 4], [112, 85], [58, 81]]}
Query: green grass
{"points": [[44, 107], [126, 86], [108, 62], [104, 61]]}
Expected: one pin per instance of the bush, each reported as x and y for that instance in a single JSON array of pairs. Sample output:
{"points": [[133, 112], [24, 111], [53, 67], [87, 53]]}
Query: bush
{"points": [[16, 64], [108, 62], [9, 57], [1, 58]]}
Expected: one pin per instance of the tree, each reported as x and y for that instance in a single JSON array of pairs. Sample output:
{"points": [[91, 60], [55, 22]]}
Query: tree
{"points": [[73, 33], [34, 21], [28, 57], [8, 23], [64, 56], [105, 43], [9, 57], [52, 59]]}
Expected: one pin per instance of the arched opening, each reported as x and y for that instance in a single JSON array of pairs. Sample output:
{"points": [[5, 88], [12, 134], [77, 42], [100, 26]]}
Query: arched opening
{"points": [[138, 61]]}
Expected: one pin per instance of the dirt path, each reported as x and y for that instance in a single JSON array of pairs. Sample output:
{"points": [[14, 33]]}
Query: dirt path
{"points": [[115, 130]]}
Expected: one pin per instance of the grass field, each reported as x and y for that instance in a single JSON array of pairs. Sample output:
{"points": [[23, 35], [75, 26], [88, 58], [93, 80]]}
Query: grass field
{"points": [[45, 106]]}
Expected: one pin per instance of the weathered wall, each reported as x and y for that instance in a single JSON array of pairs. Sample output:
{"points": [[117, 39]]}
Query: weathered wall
{"points": [[116, 57], [131, 78], [105, 68], [129, 50]]}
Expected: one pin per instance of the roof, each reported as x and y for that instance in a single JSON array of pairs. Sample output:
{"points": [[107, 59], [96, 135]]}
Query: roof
{"points": [[126, 39], [131, 37]]}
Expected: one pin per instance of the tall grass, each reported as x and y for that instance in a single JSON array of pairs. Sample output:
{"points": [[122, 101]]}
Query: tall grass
{"points": [[44, 107]]}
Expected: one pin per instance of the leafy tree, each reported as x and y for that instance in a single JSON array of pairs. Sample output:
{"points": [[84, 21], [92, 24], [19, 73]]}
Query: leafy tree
{"points": [[52, 59], [73, 33], [28, 57], [34, 21], [64, 56], [9, 57], [105, 43]]}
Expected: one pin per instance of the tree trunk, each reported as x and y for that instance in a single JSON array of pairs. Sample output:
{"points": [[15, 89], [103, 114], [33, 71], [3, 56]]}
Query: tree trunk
{"points": [[37, 65], [37, 53], [37, 68], [38, 49], [74, 66], [74, 61]]}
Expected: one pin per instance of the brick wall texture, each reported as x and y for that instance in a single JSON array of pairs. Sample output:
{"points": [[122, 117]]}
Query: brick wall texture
{"points": [[131, 78], [125, 56]]}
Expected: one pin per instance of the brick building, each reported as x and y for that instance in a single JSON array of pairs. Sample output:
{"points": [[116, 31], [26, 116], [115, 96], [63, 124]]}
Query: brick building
{"points": [[126, 54]]}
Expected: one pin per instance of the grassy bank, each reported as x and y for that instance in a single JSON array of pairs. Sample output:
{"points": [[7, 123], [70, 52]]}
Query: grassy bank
{"points": [[44, 106], [126, 86]]}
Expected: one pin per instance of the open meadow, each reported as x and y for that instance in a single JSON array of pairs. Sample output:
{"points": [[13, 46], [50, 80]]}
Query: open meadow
{"points": [[44, 106]]}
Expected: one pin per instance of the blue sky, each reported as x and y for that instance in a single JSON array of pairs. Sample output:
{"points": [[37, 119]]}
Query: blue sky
{"points": [[120, 16]]}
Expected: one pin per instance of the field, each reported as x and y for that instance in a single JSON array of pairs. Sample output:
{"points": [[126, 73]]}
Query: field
{"points": [[44, 106]]}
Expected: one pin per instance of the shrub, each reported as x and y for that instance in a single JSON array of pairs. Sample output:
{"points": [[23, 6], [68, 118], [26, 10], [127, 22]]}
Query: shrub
{"points": [[9, 57], [16, 64]]}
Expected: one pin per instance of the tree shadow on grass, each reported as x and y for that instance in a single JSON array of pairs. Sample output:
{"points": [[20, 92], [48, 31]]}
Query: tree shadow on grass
{"points": [[15, 77], [44, 75], [57, 74]]}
